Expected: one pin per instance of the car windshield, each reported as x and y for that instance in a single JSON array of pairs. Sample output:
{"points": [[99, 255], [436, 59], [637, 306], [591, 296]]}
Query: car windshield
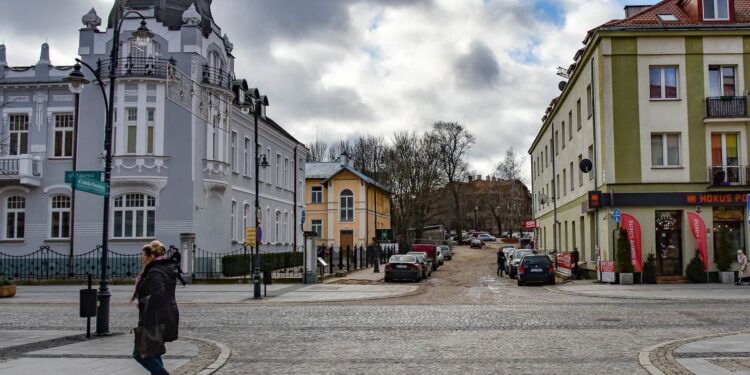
{"points": [[536, 261], [520, 254], [402, 259]]}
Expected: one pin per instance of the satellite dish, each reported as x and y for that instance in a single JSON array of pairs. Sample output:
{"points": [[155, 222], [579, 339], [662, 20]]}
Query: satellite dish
{"points": [[586, 166], [543, 199], [562, 85]]}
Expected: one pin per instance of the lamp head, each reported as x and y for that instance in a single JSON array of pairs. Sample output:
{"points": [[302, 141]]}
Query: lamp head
{"points": [[264, 162], [143, 35], [76, 80]]}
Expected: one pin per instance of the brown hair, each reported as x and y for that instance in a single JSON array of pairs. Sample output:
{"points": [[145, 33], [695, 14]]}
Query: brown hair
{"points": [[152, 250], [157, 248]]}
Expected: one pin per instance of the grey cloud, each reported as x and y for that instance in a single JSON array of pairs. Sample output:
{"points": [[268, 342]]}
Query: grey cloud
{"points": [[478, 68]]}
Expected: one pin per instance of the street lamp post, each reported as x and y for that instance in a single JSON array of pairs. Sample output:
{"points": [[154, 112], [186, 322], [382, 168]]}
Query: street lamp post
{"points": [[257, 101], [76, 81]]}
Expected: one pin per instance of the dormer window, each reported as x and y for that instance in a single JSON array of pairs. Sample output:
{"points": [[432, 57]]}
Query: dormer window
{"points": [[715, 10]]}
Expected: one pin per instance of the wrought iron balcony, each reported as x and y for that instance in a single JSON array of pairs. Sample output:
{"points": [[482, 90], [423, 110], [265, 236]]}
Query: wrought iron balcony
{"points": [[21, 169], [728, 175], [217, 77], [726, 107], [136, 67]]}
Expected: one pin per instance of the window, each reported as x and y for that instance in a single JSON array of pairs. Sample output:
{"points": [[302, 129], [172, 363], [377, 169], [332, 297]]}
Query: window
{"points": [[591, 157], [715, 9], [565, 179], [572, 180], [234, 221], [557, 186], [63, 147], [580, 172], [663, 82], [245, 217], [578, 113], [546, 157], [134, 216], [60, 216], [233, 157], [247, 161], [268, 169], [286, 228], [347, 205], [668, 17], [589, 101], [721, 80], [150, 131], [665, 150], [557, 142], [15, 224], [562, 141], [260, 172], [317, 227], [279, 176], [725, 157], [287, 184], [277, 232], [19, 134], [317, 194], [132, 128], [570, 125]]}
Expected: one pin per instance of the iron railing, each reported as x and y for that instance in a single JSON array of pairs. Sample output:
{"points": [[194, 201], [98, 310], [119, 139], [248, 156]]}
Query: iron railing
{"points": [[47, 264], [728, 175], [217, 77], [726, 107], [136, 67]]}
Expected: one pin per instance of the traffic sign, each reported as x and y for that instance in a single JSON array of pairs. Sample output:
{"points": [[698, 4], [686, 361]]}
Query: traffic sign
{"points": [[94, 175], [250, 236], [90, 186], [616, 215], [302, 217]]}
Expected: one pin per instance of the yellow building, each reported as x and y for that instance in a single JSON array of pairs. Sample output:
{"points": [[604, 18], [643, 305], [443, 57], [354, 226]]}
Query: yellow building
{"points": [[342, 204]]}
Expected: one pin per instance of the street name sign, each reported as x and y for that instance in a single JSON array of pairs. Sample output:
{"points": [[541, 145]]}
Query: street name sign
{"points": [[91, 186], [71, 175]]}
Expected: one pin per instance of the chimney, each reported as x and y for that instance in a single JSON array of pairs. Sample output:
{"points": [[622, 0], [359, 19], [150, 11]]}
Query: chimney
{"points": [[471, 178], [632, 10], [3, 61], [44, 56], [344, 159], [479, 177], [488, 178]]}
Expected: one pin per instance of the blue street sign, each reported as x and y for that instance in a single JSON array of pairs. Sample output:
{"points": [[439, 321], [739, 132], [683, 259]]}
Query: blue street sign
{"points": [[302, 218], [259, 235], [616, 215]]}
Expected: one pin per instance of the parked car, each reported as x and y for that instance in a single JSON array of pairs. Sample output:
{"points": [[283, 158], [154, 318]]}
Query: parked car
{"points": [[447, 252], [507, 250], [424, 261], [403, 267], [535, 268], [486, 237], [440, 256], [466, 240], [431, 251], [476, 243], [515, 259]]}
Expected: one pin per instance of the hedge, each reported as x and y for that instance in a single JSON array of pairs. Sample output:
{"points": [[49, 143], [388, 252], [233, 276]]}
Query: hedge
{"points": [[242, 264]]}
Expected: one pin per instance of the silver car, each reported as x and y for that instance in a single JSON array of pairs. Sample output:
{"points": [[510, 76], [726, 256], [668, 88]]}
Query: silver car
{"points": [[447, 252]]}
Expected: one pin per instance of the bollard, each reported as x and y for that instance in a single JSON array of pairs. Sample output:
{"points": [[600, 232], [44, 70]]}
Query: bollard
{"points": [[330, 259], [348, 257], [88, 305]]}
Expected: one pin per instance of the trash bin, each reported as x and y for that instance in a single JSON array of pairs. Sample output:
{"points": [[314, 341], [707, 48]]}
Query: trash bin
{"points": [[267, 279]]}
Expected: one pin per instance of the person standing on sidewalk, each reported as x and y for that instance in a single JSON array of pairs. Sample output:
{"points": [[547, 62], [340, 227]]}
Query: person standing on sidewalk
{"points": [[500, 262], [158, 316], [744, 274], [176, 257]]}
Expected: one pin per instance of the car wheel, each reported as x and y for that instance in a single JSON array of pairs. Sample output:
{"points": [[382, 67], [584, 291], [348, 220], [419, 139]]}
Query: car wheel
{"points": [[520, 283], [387, 279], [553, 282]]}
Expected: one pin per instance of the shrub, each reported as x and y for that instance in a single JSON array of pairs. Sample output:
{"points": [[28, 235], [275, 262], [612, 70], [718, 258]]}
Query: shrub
{"points": [[241, 264], [624, 262], [695, 271], [5, 282], [649, 270], [723, 251], [236, 265]]}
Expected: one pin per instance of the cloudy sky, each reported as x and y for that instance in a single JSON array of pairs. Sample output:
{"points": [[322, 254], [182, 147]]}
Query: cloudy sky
{"points": [[340, 68]]}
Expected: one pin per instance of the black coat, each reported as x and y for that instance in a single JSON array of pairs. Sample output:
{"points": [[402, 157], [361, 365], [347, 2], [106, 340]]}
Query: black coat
{"points": [[156, 299]]}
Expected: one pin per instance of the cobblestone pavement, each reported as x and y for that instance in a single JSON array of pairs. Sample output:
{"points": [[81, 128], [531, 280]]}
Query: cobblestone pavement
{"points": [[467, 321]]}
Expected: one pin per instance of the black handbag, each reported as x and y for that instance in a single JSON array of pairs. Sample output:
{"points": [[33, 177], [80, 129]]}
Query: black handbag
{"points": [[149, 341]]}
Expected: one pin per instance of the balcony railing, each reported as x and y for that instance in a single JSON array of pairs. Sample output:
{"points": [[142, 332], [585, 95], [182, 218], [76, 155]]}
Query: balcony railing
{"points": [[23, 169], [217, 77], [726, 107], [136, 67], [728, 175]]}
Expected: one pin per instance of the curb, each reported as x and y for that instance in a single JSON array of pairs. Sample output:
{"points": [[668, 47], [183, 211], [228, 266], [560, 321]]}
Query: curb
{"points": [[418, 291], [220, 361], [579, 294], [644, 356]]}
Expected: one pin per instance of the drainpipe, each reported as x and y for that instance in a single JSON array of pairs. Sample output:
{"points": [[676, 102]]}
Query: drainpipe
{"points": [[294, 249], [595, 162], [554, 193]]}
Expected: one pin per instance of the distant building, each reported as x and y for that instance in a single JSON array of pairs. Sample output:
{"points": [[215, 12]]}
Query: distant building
{"points": [[657, 103], [343, 204], [183, 143]]}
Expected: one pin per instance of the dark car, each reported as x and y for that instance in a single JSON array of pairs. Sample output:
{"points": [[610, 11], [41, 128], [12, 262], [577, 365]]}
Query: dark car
{"points": [[424, 261], [476, 243], [403, 267], [536, 269], [515, 259], [430, 252]]}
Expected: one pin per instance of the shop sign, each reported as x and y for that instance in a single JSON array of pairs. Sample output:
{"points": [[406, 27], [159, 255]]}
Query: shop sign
{"points": [[710, 199], [631, 225], [530, 224], [607, 274], [595, 199], [565, 263]]}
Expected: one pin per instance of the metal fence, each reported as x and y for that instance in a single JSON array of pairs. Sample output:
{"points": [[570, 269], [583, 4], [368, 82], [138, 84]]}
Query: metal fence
{"points": [[47, 264]]}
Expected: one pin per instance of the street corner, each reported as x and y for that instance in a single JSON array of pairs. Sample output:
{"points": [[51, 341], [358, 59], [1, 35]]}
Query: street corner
{"points": [[67, 352], [723, 353]]}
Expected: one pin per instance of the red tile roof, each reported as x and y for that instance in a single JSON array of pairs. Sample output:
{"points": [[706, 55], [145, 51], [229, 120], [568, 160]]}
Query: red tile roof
{"points": [[679, 8]]}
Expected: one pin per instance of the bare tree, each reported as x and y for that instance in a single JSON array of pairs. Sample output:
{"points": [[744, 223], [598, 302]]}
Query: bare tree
{"points": [[317, 152], [511, 166], [337, 149], [453, 142]]}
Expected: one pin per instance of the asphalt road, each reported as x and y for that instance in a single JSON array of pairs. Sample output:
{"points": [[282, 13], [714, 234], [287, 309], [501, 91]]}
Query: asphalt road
{"points": [[468, 321]]}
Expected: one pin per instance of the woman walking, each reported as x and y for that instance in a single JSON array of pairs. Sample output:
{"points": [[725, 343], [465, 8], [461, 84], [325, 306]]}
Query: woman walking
{"points": [[744, 273], [158, 316]]}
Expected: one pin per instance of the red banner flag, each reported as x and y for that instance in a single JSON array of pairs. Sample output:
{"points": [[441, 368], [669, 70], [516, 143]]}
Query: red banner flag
{"points": [[698, 229], [631, 225]]}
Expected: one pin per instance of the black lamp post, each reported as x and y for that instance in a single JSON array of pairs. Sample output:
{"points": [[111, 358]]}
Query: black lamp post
{"points": [[476, 208], [257, 102], [76, 80]]}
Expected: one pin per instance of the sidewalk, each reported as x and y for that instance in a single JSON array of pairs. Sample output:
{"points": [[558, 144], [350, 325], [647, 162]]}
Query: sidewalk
{"points": [[725, 354], [667, 292], [63, 352]]}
